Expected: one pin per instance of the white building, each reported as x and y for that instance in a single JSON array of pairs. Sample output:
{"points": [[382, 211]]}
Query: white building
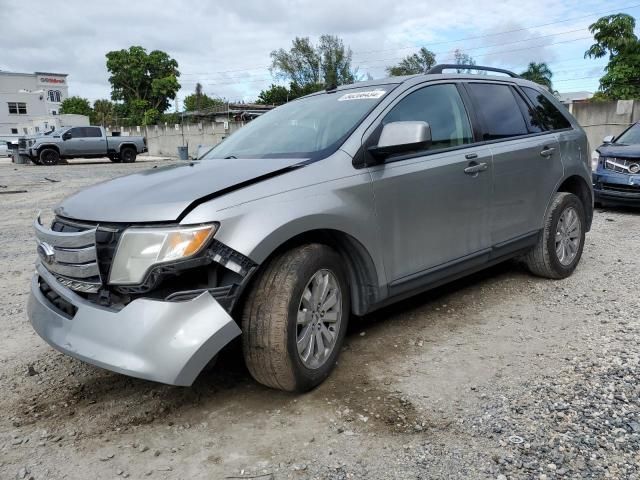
{"points": [[25, 97]]}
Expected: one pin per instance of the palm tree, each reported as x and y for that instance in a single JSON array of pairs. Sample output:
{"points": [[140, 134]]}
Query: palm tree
{"points": [[539, 73]]}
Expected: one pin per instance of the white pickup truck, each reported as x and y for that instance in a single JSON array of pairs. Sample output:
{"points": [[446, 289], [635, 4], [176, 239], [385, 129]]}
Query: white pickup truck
{"points": [[81, 142]]}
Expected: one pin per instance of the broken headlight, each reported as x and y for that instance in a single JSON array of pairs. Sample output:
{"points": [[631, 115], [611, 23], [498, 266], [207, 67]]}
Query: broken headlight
{"points": [[141, 248]]}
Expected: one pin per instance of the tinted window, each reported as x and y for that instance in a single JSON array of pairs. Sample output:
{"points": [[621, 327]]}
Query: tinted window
{"points": [[77, 132], [534, 123], [549, 115], [92, 132], [499, 111], [442, 108]]}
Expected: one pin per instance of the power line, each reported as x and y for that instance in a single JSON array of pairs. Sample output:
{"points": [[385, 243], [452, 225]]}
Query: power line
{"points": [[630, 7]]}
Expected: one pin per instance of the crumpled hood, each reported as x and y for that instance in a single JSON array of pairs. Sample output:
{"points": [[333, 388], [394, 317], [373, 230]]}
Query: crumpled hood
{"points": [[163, 194], [623, 151]]}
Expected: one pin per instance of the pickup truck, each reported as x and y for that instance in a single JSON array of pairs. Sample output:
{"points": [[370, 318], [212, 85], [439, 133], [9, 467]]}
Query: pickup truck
{"points": [[81, 142]]}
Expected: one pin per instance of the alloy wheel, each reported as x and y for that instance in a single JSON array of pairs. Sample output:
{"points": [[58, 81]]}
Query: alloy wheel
{"points": [[568, 236]]}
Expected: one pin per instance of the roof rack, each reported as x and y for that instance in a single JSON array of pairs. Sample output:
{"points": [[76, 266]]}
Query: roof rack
{"points": [[450, 66]]}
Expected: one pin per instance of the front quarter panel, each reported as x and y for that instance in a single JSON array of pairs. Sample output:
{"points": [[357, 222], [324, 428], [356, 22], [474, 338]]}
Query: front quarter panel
{"points": [[326, 195]]}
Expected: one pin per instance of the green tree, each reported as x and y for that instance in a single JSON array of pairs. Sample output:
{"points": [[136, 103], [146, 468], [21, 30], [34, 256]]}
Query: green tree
{"points": [[539, 73], [312, 67], [102, 112], [614, 36], [144, 82], [200, 101], [461, 58], [76, 105], [414, 64], [274, 95]]}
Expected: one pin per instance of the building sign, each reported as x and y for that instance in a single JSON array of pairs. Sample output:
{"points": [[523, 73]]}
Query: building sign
{"points": [[51, 80]]}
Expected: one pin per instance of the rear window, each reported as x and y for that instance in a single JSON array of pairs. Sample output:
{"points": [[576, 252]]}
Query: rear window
{"points": [[549, 115], [499, 111]]}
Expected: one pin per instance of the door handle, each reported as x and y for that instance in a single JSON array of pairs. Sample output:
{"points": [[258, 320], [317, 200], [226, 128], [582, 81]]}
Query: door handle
{"points": [[471, 156], [475, 168], [546, 152]]}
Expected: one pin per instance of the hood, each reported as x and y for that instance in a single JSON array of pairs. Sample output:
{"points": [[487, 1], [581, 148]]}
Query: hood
{"points": [[619, 150], [166, 194]]}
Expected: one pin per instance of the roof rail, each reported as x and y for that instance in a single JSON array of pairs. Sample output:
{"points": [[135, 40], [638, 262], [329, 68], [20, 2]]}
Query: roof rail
{"points": [[450, 66]]}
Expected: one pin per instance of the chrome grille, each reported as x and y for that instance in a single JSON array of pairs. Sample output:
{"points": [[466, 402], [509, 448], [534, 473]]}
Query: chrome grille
{"points": [[622, 165], [70, 256]]}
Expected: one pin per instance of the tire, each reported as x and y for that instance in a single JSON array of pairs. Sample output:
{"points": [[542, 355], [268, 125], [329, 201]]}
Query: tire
{"points": [[544, 260], [35, 160], [128, 155], [49, 156], [114, 158], [270, 319]]}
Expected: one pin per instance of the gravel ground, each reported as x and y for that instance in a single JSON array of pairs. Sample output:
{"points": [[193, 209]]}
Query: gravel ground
{"points": [[500, 375]]}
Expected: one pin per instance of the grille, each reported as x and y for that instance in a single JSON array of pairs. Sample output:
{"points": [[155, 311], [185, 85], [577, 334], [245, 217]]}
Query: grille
{"points": [[622, 165], [79, 255], [22, 143], [68, 309], [616, 187]]}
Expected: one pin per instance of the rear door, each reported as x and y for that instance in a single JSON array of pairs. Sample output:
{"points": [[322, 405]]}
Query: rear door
{"points": [[94, 143], [432, 210], [526, 160]]}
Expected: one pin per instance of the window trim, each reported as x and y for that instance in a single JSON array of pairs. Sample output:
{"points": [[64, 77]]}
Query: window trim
{"points": [[360, 160]]}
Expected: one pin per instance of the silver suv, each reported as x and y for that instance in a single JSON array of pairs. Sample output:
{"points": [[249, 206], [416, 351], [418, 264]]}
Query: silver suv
{"points": [[332, 205]]}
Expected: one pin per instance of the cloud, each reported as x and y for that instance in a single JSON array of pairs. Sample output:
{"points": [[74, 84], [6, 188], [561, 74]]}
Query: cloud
{"points": [[225, 45]]}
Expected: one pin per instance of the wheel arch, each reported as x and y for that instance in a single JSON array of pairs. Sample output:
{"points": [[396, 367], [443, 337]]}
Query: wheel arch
{"points": [[360, 267], [127, 145], [48, 145], [578, 186]]}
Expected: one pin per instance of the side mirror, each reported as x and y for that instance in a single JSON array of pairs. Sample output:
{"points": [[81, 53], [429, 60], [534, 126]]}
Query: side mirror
{"points": [[66, 136], [608, 139], [401, 137]]}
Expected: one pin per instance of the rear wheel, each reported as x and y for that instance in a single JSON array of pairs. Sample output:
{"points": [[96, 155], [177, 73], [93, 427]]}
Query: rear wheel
{"points": [[49, 156], [295, 319], [559, 248], [128, 155]]}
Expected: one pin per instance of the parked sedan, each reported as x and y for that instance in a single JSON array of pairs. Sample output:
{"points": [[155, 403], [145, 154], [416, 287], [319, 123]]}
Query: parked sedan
{"points": [[616, 169]]}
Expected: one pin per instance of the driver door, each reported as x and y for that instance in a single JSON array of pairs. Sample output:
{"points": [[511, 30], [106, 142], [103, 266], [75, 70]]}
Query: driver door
{"points": [[432, 214]]}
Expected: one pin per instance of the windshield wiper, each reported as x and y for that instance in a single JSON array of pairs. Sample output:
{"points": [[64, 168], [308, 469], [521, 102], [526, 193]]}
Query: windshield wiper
{"points": [[230, 156]]}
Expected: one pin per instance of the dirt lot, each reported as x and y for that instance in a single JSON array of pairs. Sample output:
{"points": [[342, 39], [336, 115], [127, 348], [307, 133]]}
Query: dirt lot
{"points": [[501, 375]]}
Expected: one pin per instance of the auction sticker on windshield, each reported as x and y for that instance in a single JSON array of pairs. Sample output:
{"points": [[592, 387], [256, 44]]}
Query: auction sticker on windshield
{"points": [[372, 94]]}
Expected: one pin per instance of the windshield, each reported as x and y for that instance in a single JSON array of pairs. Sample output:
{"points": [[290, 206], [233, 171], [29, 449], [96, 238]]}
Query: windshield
{"points": [[631, 136], [311, 127]]}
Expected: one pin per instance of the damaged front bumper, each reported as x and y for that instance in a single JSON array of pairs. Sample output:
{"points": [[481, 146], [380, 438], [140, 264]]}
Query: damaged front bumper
{"points": [[164, 341]]}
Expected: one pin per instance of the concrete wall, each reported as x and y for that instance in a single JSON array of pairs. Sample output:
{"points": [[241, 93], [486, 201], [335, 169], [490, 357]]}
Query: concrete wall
{"points": [[164, 140], [600, 119]]}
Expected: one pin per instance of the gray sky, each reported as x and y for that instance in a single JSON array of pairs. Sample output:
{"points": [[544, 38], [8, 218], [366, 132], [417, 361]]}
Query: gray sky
{"points": [[225, 45]]}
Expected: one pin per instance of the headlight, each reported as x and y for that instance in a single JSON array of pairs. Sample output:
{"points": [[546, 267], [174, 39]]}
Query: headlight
{"points": [[141, 248], [595, 158], [31, 142]]}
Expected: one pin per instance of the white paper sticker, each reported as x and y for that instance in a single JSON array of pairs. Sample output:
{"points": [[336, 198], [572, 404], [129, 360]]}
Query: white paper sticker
{"points": [[372, 94]]}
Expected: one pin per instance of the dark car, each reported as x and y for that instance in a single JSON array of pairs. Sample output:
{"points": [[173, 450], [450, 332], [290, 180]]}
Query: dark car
{"points": [[616, 172]]}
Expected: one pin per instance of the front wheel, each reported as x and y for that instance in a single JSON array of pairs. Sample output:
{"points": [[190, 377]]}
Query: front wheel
{"points": [[559, 248], [295, 319], [49, 156]]}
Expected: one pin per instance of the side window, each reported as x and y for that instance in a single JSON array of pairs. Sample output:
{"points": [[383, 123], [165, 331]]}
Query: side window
{"points": [[552, 118], [442, 108], [498, 109], [77, 132], [534, 123], [92, 132]]}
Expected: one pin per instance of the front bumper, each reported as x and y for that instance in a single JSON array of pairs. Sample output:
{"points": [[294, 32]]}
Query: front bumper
{"points": [[616, 188], [167, 342]]}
